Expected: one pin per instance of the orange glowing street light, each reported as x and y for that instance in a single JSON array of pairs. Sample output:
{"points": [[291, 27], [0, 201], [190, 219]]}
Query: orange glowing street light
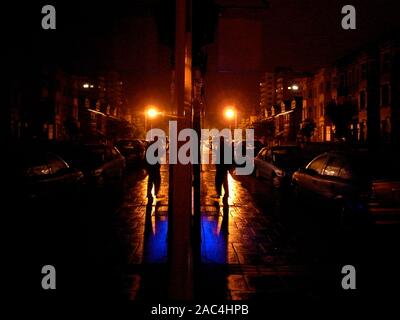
{"points": [[152, 112], [230, 113]]}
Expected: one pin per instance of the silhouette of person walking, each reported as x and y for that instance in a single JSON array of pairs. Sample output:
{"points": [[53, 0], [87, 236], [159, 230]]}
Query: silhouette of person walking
{"points": [[154, 179], [222, 168]]}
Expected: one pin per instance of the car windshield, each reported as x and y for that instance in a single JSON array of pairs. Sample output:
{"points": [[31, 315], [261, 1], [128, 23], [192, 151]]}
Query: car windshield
{"points": [[77, 155], [30, 163]]}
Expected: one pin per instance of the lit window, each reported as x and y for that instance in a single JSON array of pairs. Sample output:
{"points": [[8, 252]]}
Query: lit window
{"points": [[328, 133], [385, 95], [362, 100]]}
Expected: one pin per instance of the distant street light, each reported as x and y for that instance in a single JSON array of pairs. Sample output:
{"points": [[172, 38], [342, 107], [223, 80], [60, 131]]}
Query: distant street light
{"points": [[152, 112], [231, 115]]}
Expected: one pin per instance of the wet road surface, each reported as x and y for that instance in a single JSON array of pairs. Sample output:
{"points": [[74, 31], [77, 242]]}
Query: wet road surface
{"points": [[112, 245]]}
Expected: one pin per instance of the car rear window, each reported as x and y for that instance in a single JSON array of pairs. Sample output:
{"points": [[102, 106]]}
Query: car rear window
{"points": [[334, 166], [318, 164]]}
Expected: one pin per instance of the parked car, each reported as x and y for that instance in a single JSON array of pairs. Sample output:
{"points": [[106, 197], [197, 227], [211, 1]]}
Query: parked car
{"points": [[313, 149], [145, 143], [245, 149], [37, 174], [354, 183], [101, 164], [132, 150], [256, 145], [106, 164], [277, 164]]}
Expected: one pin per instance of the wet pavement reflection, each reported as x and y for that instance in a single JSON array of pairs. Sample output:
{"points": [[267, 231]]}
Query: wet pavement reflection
{"points": [[215, 237], [113, 245], [155, 235]]}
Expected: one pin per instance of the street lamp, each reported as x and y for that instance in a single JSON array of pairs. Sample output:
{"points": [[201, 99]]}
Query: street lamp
{"points": [[231, 115], [150, 113]]}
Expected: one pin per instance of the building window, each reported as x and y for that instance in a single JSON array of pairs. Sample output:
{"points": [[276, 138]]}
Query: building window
{"points": [[363, 71], [386, 62], [385, 95], [350, 78], [45, 92], [362, 132], [357, 76], [328, 86], [281, 124], [334, 82], [58, 109], [362, 100], [342, 80], [386, 129], [373, 68], [328, 133]]}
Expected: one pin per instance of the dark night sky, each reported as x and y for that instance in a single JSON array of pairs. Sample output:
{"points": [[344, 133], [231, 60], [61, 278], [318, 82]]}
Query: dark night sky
{"points": [[302, 33], [90, 36], [305, 34], [308, 33]]}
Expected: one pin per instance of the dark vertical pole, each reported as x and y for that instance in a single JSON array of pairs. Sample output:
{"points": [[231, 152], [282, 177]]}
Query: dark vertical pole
{"points": [[180, 186], [197, 108], [395, 99]]}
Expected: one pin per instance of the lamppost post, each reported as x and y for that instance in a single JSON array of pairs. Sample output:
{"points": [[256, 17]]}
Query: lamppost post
{"points": [[180, 256]]}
